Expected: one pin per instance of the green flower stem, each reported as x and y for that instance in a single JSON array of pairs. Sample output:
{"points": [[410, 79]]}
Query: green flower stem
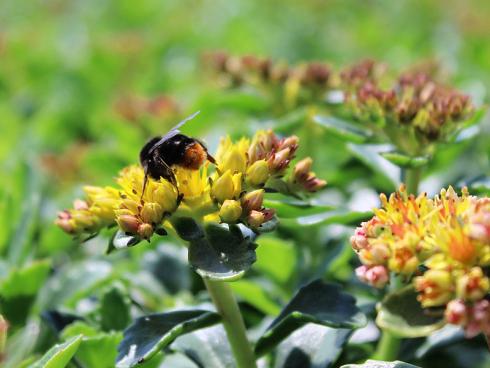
{"points": [[412, 180], [389, 344], [388, 347], [227, 307]]}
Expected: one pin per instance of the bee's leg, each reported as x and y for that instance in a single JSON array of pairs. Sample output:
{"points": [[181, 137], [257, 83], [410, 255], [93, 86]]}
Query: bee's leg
{"points": [[210, 158], [145, 181], [167, 173]]}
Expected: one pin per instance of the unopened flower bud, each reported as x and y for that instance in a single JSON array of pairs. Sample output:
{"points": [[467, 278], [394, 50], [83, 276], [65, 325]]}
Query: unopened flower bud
{"points": [[435, 288], [230, 211], [128, 223], [145, 231], [359, 240], [472, 286], [165, 195], [279, 161], [253, 200], [257, 173], [227, 186], [79, 204], [151, 213], [376, 276], [255, 218], [302, 168], [455, 312]]}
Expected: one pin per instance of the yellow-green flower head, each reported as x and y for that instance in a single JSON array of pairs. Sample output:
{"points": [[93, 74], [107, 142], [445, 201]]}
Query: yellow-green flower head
{"points": [[230, 211], [207, 194], [232, 156], [227, 186], [92, 214], [141, 214]]}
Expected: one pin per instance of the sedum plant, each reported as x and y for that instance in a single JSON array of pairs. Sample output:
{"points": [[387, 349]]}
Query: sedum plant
{"points": [[218, 211]]}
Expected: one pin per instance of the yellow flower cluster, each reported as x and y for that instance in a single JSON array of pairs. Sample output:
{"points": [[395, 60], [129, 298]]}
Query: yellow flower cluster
{"points": [[233, 192], [443, 242]]}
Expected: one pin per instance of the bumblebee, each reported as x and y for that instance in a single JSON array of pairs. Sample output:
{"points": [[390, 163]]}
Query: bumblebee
{"points": [[159, 154]]}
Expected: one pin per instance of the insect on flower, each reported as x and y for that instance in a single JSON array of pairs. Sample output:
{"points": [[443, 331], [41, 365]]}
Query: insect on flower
{"points": [[159, 154]]}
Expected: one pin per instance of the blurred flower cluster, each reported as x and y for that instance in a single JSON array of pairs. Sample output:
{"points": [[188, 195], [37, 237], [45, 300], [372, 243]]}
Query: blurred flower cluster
{"points": [[231, 192], [441, 245], [304, 82], [410, 110], [415, 107]]}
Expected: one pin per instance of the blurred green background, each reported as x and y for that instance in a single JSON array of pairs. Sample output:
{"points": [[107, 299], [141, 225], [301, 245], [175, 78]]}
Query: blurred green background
{"points": [[84, 83]]}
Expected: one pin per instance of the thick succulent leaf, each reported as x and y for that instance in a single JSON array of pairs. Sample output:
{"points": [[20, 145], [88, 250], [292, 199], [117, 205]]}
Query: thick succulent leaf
{"points": [[287, 207], [73, 282], [24, 281], [114, 308], [168, 263], [254, 294], [59, 355], [343, 129], [312, 346], [448, 335], [18, 290], [401, 313], [338, 216], [99, 350], [276, 258], [369, 154], [208, 347], [150, 334], [380, 364], [405, 161], [225, 253], [188, 229], [319, 303]]}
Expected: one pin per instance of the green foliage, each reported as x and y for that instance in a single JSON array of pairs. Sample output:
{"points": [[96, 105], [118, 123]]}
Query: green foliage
{"points": [[149, 334], [81, 84]]}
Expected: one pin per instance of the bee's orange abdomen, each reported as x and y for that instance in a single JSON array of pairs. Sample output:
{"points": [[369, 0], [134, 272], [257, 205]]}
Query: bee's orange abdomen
{"points": [[194, 156]]}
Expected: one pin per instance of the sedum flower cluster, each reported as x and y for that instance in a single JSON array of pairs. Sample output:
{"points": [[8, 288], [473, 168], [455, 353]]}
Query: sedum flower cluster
{"points": [[230, 192], [440, 244], [413, 111], [299, 83]]}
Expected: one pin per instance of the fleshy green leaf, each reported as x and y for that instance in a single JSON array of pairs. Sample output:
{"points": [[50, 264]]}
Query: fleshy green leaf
{"points": [[150, 334], [114, 309], [59, 355], [380, 364], [255, 295], [312, 346], [402, 314], [283, 254], [208, 347], [338, 216], [319, 303], [73, 282], [369, 154], [225, 253], [448, 335], [405, 161], [99, 350], [345, 130], [292, 207], [26, 280]]}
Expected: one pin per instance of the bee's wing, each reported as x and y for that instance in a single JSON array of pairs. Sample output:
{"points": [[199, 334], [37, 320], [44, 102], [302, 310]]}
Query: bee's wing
{"points": [[174, 131]]}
